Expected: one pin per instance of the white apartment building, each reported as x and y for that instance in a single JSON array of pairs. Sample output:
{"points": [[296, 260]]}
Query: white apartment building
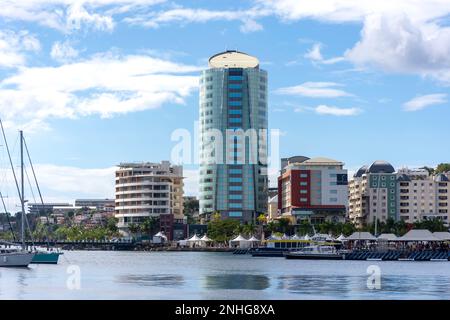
{"points": [[373, 194], [147, 189], [416, 194], [442, 185], [411, 195]]}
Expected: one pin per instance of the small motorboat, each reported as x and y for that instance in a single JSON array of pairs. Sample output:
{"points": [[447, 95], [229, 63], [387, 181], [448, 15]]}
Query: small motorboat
{"points": [[315, 252]]}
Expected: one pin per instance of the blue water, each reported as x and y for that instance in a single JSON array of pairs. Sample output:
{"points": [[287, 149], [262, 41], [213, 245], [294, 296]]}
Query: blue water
{"points": [[205, 275]]}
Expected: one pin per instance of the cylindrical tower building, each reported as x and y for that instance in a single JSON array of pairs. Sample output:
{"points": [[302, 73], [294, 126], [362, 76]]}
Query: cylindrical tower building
{"points": [[233, 137]]}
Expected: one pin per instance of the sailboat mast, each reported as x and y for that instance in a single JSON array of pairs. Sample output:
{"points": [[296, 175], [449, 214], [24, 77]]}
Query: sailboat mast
{"points": [[22, 198]]}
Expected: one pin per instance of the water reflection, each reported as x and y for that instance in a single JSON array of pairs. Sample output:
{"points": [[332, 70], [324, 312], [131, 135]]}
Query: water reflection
{"points": [[237, 281], [315, 284], [155, 280]]}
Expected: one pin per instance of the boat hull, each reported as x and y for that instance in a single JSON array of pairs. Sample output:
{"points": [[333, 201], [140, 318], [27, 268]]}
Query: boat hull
{"points": [[314, 256], [46, 258], [16, 259], [271, 254]]}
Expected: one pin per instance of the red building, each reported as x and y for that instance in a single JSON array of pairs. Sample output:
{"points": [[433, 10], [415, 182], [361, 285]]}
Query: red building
{"points": [[313, 189]]}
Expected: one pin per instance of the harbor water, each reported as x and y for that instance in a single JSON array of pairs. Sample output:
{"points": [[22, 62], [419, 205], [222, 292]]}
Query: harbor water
{"points": [[209, 275]]}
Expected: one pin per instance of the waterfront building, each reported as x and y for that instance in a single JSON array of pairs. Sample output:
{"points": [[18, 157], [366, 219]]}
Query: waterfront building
{"points": [[313, 189], [416, 195], [442, 188], [45, 208], [100, 204], [373, 194], [148, 190], [233, 137], [411, 195]]}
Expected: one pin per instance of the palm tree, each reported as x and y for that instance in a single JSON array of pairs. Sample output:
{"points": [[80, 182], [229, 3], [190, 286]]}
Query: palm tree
{"points": [[133, 228], [283, 224], [249, 229]]}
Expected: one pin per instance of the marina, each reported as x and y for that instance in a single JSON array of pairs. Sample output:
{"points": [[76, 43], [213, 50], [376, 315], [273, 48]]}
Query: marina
{"points": [[209, 275]]}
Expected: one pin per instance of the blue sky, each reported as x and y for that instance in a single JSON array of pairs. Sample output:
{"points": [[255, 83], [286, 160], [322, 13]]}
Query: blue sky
{"points": [[97, 82]]}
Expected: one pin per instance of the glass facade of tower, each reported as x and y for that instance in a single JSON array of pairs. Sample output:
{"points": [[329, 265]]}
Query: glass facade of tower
{"points": [[233, 141]]}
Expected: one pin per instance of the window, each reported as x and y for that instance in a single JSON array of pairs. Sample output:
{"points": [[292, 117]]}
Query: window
{"points": [[303, 183], [303, 191], [303, 175], [235, 214], [303, 200]]}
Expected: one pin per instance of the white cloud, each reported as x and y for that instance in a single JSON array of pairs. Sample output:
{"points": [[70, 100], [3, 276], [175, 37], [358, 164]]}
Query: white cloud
{"points": [[424, 101], [78, 182], [315, 55], [354, 10], [398, 44], [188, 15], [63, 51], [191, 187], [250, 26], [104, 85], [13, 47], [315, 90], [69, 15], [77, 15], [60, 184], [335, 111], [402, 36]]}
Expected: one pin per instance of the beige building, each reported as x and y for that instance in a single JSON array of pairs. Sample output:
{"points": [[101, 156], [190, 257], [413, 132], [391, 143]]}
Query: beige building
{"points": [[442, 186], [411, 195], [416, 195], [148, 189], [273, 208], [373, 194]]}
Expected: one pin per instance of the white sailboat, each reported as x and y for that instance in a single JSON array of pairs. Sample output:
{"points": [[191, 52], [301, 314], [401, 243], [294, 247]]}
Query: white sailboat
{"points": [[17, 257]]}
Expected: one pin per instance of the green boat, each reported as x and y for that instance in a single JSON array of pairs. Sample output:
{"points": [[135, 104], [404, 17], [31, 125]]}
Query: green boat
{"points": [[46, 257]]}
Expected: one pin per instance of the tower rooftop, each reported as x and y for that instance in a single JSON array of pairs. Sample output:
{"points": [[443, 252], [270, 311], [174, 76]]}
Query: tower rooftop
{"points": [[233, 59]]}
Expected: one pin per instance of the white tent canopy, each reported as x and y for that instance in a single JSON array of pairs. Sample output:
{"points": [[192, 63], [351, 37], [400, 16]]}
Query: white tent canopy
{"points": [[160, 234], [205, 238], [239, 238], [253, 239], [307, 237], [442, 235], [273, 237], [341, 238], [241, 242], [361, 236], [295, 237], [387, 236], [322, 236], [419, 235], [194, 238]]}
